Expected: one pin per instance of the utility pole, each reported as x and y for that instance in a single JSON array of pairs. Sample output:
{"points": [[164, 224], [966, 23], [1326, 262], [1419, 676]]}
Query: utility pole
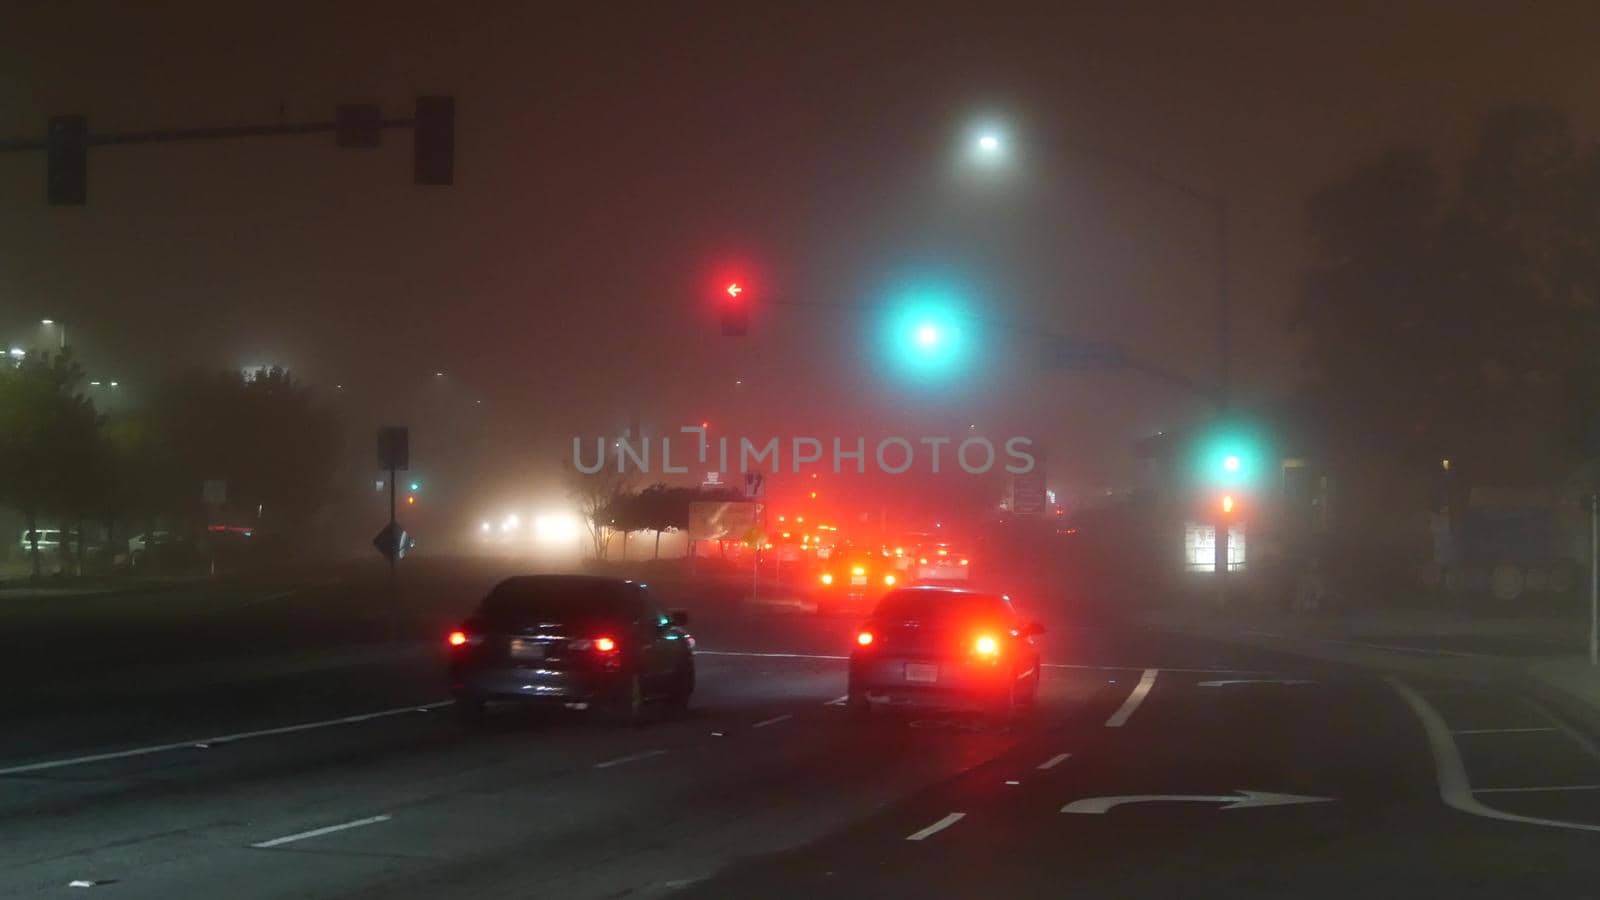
{"points": [[1594, 578], [1224, 387]]}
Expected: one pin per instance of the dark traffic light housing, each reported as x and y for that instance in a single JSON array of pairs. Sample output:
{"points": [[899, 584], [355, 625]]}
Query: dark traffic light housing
{"points": [[435, 133]]}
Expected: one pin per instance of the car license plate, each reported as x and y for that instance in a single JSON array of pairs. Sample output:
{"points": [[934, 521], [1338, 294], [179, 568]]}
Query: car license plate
{"points": [[521, 649], [921, 673], [858, 579]]}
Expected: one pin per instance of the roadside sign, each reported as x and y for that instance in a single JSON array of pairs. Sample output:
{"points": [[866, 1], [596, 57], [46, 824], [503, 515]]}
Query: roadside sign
{"points": [[394, 447], [393, 542], [214, 492], [1027, 493]]}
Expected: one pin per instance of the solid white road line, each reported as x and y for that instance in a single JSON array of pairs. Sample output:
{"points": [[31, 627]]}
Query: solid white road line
{"points": [[318, 832], [936, 827], [1147, 668], [1558, 787], [1054, 761], [772, 721], [840, 700], [1454, 787], [699, 652], [632, 757], [219, 739], [1499, 730], [1140, 691]]}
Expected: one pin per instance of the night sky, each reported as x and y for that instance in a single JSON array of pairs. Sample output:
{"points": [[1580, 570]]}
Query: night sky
{"points": [[610, 160]]}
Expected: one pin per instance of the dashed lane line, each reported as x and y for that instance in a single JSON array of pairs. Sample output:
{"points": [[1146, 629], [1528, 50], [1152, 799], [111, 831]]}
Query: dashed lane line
{"points": [[319, 832], [936, 827], [773, 721], [1140, 691], [1054, 761], [631, 757]]}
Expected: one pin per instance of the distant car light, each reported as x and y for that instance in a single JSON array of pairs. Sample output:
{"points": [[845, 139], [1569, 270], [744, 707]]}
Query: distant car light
{"points": [[457, 638], [963, 562], [864, 638], [604, 645], [889, 580], [923, 561], [827, 578], [858, 570]]}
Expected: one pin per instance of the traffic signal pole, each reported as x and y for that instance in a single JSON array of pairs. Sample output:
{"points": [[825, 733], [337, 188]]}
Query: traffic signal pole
{"points": [[1224, 388]]}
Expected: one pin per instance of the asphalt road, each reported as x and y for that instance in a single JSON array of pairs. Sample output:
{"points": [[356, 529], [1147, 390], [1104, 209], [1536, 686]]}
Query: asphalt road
{"points": [[1157, 766]]}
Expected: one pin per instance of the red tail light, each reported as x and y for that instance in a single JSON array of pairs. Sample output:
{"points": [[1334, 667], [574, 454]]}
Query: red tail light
{"points": [[986, 645], [457, 638], [963, 562], [604, 645], [864, 638]]}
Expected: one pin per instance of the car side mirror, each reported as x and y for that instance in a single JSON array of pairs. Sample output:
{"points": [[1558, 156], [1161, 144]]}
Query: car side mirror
{"points": [[679, 618], [1031, 629]]}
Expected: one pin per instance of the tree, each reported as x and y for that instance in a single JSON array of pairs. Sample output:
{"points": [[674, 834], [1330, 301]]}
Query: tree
{"points": [[47, 445], [1458, 319], [598, 497]]}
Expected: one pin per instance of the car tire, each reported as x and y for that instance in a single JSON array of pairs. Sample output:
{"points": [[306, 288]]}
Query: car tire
{"points": [[682, 691], [631, 704], [858, 706]]}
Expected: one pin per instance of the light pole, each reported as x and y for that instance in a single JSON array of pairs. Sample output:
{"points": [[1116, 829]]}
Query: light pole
{"points": [[988, 147], [61, 332]]}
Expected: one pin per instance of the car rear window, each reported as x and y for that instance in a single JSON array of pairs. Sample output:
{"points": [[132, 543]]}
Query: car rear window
{"points": [[934, 605], [559, 600]]}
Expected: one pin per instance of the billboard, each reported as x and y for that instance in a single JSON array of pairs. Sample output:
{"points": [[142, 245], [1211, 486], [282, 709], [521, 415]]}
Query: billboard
{"points": [[722, 521]]}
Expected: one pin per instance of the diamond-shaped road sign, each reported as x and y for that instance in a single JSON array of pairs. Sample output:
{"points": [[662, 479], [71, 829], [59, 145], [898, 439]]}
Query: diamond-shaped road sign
{"points": [[393, 542]]}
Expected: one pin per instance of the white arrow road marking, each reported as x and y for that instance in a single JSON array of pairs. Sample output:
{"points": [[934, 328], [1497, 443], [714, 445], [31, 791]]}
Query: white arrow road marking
{"points": [[1146, 682], [936, 827], [1240, 800], [1225, 682], [318, 832]]}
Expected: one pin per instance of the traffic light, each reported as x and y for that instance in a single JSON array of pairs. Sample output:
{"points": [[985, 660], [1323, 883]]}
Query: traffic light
{"points": [[925, 338], [735, 311], [1225, 505], [416, 486], [411, 499], [67, 161], [435, 140]]}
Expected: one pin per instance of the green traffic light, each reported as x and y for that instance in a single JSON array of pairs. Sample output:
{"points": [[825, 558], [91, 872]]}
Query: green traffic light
{"points": [[1231, 455], [416, 486]]}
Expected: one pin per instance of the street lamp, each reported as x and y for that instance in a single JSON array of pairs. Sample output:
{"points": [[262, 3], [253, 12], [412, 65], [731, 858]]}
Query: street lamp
{"points": [[61, 332]]}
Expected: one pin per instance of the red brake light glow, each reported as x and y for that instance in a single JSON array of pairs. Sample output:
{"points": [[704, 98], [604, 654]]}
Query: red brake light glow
{"points": [[864, 638], [963, 562], [604, 644], [986, 645], [457, 638]]}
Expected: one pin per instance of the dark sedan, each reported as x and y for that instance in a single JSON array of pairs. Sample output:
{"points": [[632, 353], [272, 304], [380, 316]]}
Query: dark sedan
{"points": [[577, 641], [938, 646]]}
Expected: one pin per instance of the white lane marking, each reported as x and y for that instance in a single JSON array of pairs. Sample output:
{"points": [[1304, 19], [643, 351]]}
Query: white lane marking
{"points": [[318, 832], [1499, 730], [837, 701], [699, 652], [1229, 682], [219, 739], [1577, 737], [763, 655], [1140, 691], [1518, 790], [1240, 799], [1147, 668], [1455, 789], [1054, 761], [632, 757], [1399, 649], [773, 721], [936, 827]]}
